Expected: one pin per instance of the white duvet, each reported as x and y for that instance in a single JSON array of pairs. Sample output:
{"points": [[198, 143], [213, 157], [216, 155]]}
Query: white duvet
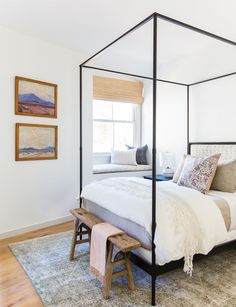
{"points": [[188, 222]]}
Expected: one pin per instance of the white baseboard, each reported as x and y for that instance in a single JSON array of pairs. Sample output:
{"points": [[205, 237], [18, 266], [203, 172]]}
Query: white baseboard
{"points": [[34, 227]]}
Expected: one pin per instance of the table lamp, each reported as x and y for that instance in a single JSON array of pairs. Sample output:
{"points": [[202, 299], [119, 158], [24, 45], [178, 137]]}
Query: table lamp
{"points": [[166, 161]]}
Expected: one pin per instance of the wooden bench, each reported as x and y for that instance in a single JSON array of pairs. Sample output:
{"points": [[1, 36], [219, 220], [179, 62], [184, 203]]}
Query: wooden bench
{"points": [[83, 224]]}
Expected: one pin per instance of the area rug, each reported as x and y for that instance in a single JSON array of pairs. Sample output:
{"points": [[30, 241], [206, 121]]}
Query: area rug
{"points": [[63, 283]]}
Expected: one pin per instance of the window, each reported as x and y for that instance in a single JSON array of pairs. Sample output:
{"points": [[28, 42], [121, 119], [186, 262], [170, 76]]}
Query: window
{"points": [[114, 125]]}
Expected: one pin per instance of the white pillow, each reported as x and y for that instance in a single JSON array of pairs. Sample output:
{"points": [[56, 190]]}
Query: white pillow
{"points": [[125, 157]]}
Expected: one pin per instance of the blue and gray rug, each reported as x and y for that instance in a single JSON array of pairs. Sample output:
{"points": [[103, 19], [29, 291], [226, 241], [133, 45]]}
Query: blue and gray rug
{"points": [[62, 283]]}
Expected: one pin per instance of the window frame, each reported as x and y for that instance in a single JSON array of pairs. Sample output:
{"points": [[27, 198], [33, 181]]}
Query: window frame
{"points": [[136, 121]]}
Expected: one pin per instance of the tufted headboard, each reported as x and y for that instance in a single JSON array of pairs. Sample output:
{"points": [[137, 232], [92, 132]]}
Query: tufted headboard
{"points": [[227, 150]]}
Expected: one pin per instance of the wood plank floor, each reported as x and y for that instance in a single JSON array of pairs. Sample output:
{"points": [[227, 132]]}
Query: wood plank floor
{"points": [[16, 289]]}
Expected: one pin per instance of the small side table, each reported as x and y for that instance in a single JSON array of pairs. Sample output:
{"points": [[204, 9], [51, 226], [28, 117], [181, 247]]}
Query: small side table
{"points": [[158, 178]]}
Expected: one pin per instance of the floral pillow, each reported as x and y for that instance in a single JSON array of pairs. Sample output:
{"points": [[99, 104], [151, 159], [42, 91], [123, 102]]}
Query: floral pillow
{"points": [[198, 173]]}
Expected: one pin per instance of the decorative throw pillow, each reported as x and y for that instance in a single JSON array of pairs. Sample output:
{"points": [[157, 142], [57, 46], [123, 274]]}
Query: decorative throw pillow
{"points": [[198, 173], [225, 177], [125, 157], [141, 155], [179, 169]]}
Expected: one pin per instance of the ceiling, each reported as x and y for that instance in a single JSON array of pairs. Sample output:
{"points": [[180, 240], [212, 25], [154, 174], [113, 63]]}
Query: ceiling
{"points": [[183, 55], [88, 25]]}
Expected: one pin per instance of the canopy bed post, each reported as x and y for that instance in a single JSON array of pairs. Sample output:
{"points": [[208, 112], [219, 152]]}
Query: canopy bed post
{"points": [[154, 98], [81, 129], [188, 146]]}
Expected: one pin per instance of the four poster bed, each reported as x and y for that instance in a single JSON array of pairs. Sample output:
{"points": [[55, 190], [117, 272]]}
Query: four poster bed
{"points": [[125, 202]]}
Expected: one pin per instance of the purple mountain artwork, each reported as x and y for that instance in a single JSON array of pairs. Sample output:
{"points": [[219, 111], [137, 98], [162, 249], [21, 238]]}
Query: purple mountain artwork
{"points": [[30, 103], [33, 99], [36, 98]]}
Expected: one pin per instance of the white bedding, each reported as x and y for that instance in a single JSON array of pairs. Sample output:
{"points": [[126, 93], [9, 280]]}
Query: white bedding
{"points": [[188, 222]]}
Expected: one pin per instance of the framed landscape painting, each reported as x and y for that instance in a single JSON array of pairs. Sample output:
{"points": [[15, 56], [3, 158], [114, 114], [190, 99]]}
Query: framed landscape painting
{"points": [[35, 98], [36, 142]]}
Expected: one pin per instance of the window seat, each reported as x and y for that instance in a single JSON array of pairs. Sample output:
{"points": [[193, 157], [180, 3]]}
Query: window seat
{"points": [[115, 168]]}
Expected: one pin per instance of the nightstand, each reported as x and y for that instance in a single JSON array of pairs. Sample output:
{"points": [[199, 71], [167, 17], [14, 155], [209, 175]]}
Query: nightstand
{"points": [[158, 178]]}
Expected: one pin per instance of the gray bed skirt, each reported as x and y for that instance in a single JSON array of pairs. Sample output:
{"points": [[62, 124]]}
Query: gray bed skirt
{"points": [[134, 230]]}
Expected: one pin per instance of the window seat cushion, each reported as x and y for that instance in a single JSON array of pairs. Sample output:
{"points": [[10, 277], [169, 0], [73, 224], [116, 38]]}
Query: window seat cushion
{"points": [[115, 168]]}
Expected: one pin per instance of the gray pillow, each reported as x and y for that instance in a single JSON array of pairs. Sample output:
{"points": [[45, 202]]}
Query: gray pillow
{"points": [[141, 154]]}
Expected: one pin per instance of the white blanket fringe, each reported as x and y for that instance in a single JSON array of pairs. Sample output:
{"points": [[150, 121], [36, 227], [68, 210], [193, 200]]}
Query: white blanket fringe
{"points": [[188, 265]]}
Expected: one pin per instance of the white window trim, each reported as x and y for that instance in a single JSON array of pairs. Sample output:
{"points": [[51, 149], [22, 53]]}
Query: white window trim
{"points": [[136, 128]]}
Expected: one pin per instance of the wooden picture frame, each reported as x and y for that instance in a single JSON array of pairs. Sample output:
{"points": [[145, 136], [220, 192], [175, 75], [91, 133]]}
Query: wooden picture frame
{"points": [[35, 98], [36, 142]]}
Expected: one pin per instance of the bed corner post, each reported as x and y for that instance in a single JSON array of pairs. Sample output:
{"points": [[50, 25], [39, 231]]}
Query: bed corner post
{"points": [[188, 143], [153, 300], [80, 131]]}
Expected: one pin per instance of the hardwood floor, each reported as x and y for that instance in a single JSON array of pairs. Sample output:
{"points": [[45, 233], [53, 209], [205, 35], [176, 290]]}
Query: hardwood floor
{"points": [[15, 287]]}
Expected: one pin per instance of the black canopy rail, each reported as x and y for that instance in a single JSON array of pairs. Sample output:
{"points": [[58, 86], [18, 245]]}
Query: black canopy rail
{"points": [[152, 268], [133, 75], [213, 79]]}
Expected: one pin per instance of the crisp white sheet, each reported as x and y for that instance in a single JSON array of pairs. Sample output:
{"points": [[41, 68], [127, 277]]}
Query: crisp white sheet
{"points": [[188, 222], [231, 200], [113, 168]]}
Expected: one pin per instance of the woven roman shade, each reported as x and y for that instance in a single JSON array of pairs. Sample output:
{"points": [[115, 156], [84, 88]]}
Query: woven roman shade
{"points": [[117, 90]]}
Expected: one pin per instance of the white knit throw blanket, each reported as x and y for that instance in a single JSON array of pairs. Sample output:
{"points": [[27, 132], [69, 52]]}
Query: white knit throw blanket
{"points": [[188, 222]]}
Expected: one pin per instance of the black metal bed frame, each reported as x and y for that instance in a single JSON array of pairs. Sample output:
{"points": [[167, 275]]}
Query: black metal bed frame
{"points": [[152, 268]]}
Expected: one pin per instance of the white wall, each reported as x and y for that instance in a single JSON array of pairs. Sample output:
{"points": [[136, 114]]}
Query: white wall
{"points": [[171, 119], [35, 192], [213, 111], [212, 114]]}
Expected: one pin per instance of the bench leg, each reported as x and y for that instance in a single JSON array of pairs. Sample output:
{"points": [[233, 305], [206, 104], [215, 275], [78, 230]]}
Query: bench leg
{"points": [[78, 231], [108, 276], [130, 274], [109, 271], [74, 238]]}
